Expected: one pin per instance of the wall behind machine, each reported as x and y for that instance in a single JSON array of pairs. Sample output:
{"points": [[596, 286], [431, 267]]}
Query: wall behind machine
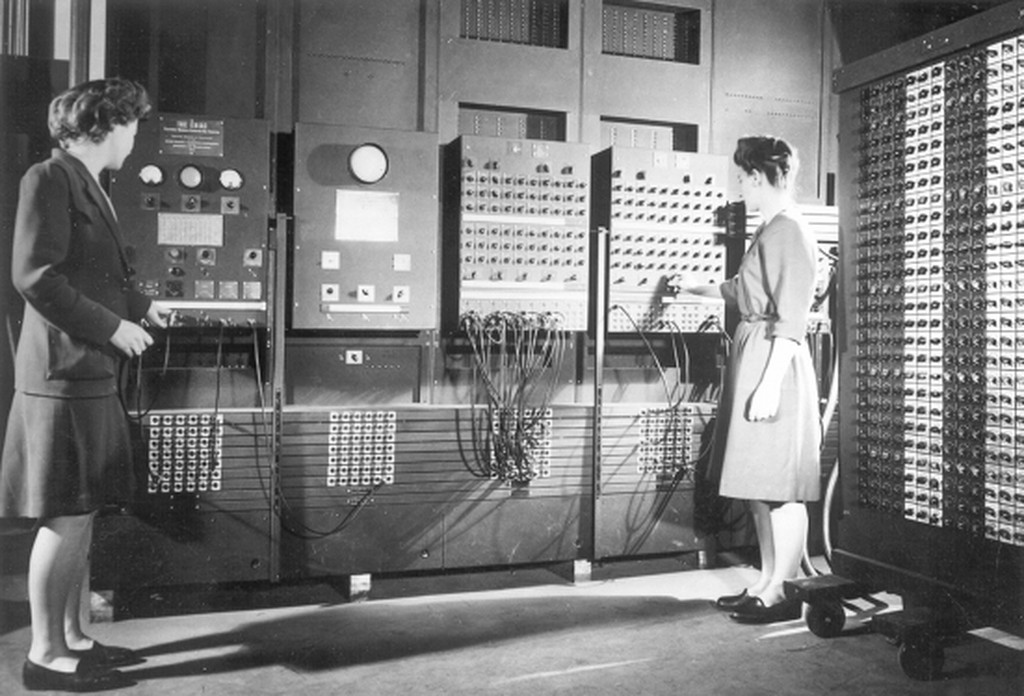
{"points": [[361, 64], [194, 57], [408, 65], [770, 63]]}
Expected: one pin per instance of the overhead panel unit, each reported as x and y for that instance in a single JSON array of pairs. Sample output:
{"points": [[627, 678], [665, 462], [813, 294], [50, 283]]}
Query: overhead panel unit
{"points": [[193, 203], [631, 46], [649, 30], [510, 122], [366, 229], [660, 209], [516, 229], [649, 135], [359, 63], [530, 22], [779, 94]]}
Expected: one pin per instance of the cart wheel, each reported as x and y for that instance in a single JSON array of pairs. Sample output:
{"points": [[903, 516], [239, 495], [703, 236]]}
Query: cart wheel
{"points": [[921, 662], [826, 619]]}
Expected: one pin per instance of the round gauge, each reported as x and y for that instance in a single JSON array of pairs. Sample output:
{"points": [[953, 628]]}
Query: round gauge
{"points": [[190, 177], [151, 175], [231, 179], [368, 163]]}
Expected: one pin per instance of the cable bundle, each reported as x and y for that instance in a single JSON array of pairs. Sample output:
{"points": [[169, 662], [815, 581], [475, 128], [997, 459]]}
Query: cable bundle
{"points": [[511, 353], [683, 391]]}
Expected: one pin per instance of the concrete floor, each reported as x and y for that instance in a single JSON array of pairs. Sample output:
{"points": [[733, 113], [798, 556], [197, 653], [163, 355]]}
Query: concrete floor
{"points": [[522, 632]]}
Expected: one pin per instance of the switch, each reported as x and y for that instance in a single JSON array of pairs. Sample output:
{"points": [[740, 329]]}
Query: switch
{"points": [[330, 260], [401, 262], [252, 290], [204, 289], [230, 205], [228, 290]]}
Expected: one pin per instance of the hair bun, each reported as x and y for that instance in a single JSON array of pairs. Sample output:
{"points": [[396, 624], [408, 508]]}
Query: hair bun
{"points": [[775, 157], [780, 148]]}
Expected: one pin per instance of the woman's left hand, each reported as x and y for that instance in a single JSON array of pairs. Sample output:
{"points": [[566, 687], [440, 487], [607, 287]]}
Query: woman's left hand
{"points": [[764, 402], [159, 315]]}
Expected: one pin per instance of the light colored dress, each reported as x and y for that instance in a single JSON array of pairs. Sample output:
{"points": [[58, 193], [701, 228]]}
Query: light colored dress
{"points": [[775, 460]]}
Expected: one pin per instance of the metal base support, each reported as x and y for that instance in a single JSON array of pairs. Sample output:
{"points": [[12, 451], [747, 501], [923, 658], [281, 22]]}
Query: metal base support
{"points": [[358, 587], [824, 595]]}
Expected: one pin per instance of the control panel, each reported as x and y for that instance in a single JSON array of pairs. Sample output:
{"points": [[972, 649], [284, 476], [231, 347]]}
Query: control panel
{"points": [[657, 444], [516, 229], [659, 208], [184, 452], [193, 202], [366, 228], [936, 294]]}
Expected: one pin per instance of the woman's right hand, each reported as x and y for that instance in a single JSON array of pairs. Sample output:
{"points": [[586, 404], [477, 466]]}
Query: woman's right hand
{"points": [[131, 339]]}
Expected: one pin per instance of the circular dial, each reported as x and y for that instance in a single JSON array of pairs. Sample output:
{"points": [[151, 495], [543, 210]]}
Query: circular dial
{"points": [[368, 163], [151, 175], [190, 177], [231, 179]]}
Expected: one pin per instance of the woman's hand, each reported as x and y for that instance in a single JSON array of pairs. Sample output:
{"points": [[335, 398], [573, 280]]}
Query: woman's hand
{"points": [[678, 285], [764, 402], [131, 339], [159, 315]]}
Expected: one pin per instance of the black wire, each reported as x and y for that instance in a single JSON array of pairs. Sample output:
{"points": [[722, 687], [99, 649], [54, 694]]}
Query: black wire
{"points": [[257, 368], [650, 349], [304, 531], [125, 384], [220, 354], [511, 351], [290, 521]]}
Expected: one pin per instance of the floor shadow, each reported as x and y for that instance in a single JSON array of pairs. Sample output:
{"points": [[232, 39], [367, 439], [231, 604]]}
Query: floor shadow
{"points": [[340, 636], [971, 657], [13, 615]]}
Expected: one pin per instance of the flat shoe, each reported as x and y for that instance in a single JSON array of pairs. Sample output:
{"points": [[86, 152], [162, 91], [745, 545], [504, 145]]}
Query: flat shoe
{"points": [[731, 602], [83, 679], [755, 612], [100, 655]]}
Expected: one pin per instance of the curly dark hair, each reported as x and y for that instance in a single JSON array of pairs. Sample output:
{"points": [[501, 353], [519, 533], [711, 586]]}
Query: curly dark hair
{"points": [[92, 109], [773, 157]]}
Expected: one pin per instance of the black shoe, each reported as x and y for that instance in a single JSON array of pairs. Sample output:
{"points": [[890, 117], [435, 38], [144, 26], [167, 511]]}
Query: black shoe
{"points": [[732, 602], [756, 612], [83, 679], [100, 655]]}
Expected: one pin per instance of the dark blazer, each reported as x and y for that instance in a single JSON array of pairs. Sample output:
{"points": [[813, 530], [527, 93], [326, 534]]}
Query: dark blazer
{"points": [[69, 264]]}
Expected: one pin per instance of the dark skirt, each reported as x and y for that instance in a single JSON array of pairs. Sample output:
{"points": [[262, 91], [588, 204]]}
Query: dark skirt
{"points": [[64, 456]]}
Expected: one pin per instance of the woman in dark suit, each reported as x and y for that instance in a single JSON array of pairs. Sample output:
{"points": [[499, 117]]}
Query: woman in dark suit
{"points": [[67, 450]]}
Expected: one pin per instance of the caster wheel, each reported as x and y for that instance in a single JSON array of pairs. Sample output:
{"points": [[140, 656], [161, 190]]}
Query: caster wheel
{"points": [[921, 662], [826, 620]]}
